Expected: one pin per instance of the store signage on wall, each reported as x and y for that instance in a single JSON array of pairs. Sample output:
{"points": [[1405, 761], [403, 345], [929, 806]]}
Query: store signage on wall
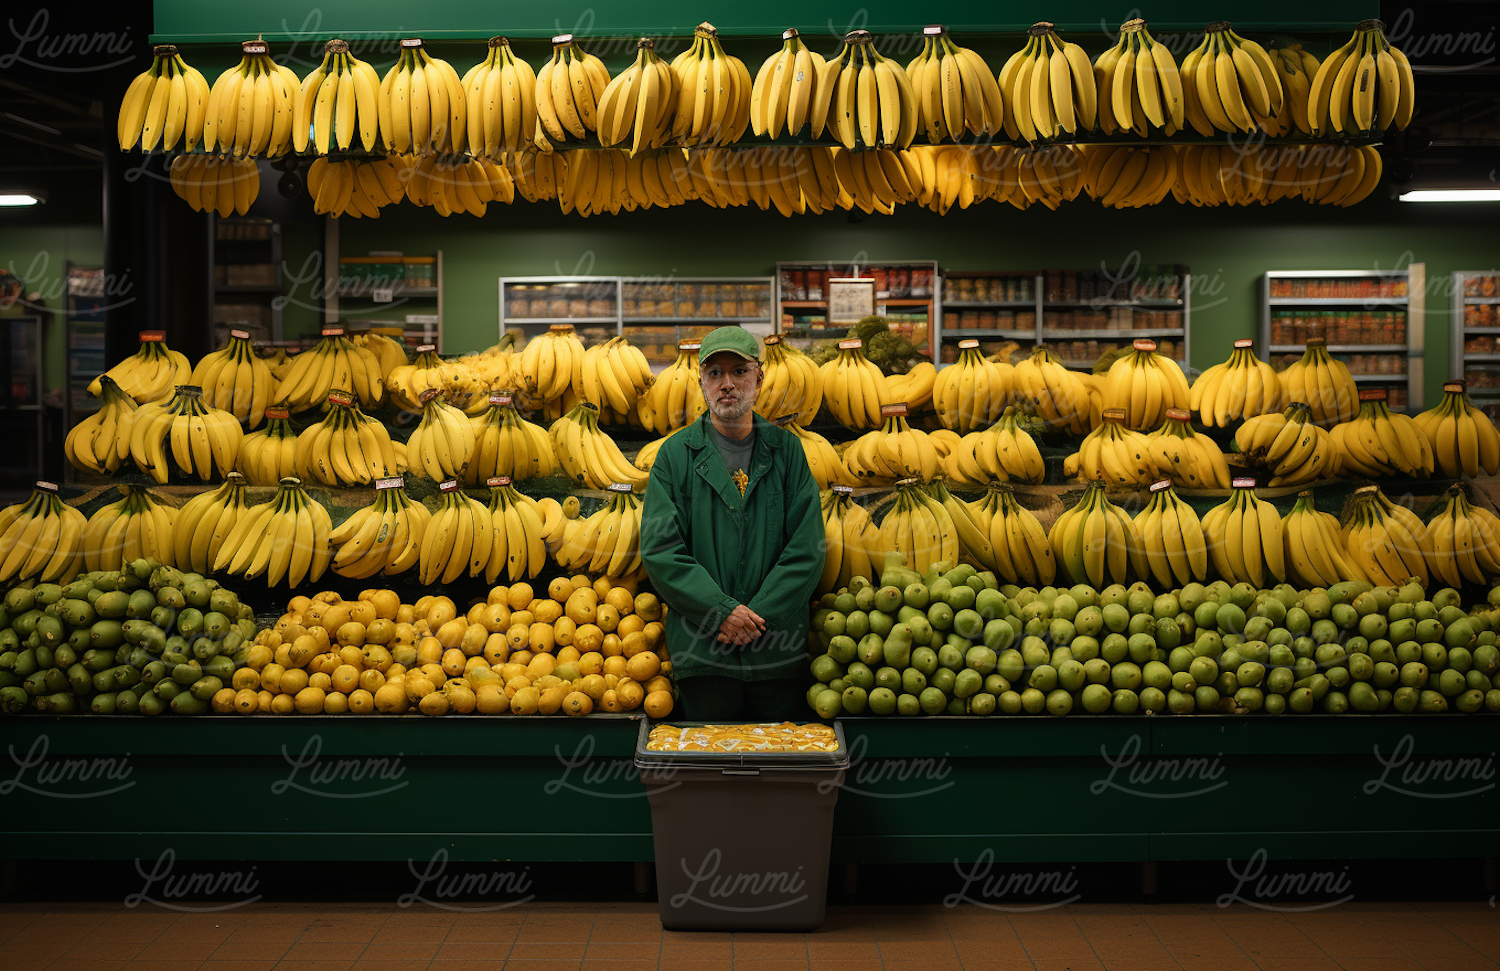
{"points": [[850, 299]]}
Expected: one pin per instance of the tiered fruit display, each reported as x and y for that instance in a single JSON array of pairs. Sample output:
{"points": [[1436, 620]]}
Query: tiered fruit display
{"points": [[580, 646], [144, 639], [957, 642]]}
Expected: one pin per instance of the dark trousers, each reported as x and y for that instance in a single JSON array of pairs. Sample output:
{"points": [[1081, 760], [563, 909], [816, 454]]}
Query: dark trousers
{"points": [[718, 699]]}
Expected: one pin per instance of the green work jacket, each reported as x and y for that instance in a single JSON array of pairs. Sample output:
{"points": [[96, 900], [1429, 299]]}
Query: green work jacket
{"points": [[707, 550]]}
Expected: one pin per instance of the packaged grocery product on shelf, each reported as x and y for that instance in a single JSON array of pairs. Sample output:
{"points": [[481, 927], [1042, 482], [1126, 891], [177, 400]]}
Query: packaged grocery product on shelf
{"points": [[1336, 288]]}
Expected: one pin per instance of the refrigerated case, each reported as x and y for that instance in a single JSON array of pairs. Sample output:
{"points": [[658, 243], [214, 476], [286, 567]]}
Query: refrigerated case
{"points": [[1372, 320]]}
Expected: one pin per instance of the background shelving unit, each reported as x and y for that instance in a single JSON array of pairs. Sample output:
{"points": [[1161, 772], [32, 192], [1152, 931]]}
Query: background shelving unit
{"points": [[1081, 314], [531, 304], [83, 327], [1474, 329], [368, 292], [656, 313], [247, 278], [1372, 320], [905, 294], [22, 414]]}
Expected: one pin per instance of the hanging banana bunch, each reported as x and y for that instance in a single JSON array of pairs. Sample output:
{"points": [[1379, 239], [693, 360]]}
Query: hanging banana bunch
{"points": [[1139, 71], [1295, 69], [1366, 85], [956, 91], [638, 104], [215, 183], [500, 103], [336, 100], [784, 92], [873, 104], [357, 187], [250, 109], [568, 89], [453, 183], [1233, 83], [422, 106], [713, 92], [1049, 86], [165, 104]]}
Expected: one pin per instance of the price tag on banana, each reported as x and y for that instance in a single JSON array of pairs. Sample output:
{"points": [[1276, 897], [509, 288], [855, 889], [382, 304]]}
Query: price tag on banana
{"points": [[394, 482]]}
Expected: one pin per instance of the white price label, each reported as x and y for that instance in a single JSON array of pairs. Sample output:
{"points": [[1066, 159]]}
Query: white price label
{"points": [[382, 294]]}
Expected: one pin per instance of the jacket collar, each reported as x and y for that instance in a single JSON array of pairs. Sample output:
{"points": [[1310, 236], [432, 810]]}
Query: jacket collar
{"points": [[697, 433], [711, 467]]}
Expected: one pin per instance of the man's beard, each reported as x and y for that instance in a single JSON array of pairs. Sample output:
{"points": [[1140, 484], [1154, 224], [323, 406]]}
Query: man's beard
{"points": [[733, 410]]}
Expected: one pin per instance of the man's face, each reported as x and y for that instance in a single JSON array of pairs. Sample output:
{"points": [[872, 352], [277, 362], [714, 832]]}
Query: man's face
{"points": [[730, 384]]}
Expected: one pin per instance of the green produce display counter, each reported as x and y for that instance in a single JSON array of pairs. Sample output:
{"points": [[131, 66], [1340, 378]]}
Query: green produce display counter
{"points": [[922, 790]]}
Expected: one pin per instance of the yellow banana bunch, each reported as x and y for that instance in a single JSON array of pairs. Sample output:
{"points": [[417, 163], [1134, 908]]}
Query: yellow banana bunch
{"points": [[357, 187], [958, 175], [204, 440], [792, 385], [1114, 454], [150, 373], [458, 538], [1242, 387], [442, 444], [138, 525], [675, 398], [1056, 395], [422, 107], [825, 463], [1050, 87], [893, 451], [783, 94], [505, 444], [279, 362], [1323, 383], [1245, 540], [1221, 175], [335, 363], [517, 550], [568, 89], [383, 537], [270, 455], [453, 184], [614, 375], [1049, 174], [919, 528], [850, 540], [1387, 542], [1463, 542], [973, 538], [538, 175], [1463, 438], [346, 448], [1316, 555], [646, 457], [336, 101], [1173, 537], [42, 538], [1231, 84], [1381, 443], [1335, 175], [1366, 85], [854, 389], [285, 538], [407, 382], [609, 541], [1128, 176], [1004, 452], [1097, 543], [552, 363], [1295, 69], [250, 108], [874, 180], [1190, 460], [1291, 446], [235, 380], [587, 455], [713, 92], [215, 183], [165, 104], [1139, 86], [204, 522], [1022, 553], [100, 443], [915, 387], [1145, 384], [637, 105], [956, 92], [871, 103], [500, 103], [971, 393], [597, 182]]}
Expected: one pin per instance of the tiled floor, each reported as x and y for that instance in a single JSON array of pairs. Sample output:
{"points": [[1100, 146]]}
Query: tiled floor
{"points": [[628, 937]]}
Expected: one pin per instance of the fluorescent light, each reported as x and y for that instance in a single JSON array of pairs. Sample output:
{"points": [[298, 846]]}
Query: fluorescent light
{"points": [[1451, 195], [18, 199]]}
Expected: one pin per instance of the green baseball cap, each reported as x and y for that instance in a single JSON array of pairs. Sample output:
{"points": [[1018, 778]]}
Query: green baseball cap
{"points": [[735, 340]]}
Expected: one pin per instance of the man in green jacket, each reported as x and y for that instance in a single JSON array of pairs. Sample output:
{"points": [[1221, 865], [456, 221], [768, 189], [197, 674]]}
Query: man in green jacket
{"points": [[732, 538]]}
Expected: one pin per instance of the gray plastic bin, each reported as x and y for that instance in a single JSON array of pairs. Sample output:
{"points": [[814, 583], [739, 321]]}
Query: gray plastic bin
{"points": [[742, 840]]}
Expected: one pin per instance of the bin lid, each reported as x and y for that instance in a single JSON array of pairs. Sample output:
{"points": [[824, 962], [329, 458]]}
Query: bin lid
{"points": [[838, 758]]}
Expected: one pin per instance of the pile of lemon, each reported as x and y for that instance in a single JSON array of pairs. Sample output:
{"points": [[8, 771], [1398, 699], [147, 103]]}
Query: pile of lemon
{"points": [[584, 646]]}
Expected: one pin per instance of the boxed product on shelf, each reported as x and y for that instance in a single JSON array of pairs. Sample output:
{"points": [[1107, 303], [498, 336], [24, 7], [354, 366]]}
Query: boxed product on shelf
{"points": [[256, 315], [1482, 286], [1481, 315], [250, 274], [1339, 326], [1339, 288], [418, 271]]}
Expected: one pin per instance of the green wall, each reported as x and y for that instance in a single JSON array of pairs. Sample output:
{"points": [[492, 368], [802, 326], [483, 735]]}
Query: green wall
{"points": [[39, 254], [1228, 249]]}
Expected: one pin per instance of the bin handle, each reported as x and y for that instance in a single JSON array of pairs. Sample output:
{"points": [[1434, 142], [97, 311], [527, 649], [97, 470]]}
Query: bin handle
{"points": [[741, 771]]}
